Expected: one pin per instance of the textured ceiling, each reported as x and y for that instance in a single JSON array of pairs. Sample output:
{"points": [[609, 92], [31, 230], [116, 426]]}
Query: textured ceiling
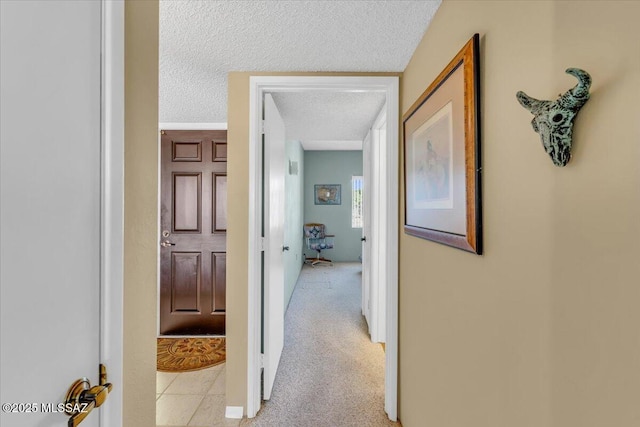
{"points": [[201, 41], [328, 120]]}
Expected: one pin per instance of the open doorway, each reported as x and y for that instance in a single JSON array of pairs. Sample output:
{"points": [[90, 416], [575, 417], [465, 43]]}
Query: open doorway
{"points": [[191, 334], [386, 251]]}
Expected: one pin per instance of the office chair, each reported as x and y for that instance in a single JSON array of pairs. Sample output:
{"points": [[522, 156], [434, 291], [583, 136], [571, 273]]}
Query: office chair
{"points": [[317, 240]]}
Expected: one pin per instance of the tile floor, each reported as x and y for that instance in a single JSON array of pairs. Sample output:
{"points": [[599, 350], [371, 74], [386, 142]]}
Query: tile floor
{"points": [[193, 399]]}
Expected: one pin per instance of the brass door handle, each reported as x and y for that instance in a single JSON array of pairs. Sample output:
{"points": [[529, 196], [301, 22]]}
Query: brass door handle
{"points": [[82, 398], [98, 394]]}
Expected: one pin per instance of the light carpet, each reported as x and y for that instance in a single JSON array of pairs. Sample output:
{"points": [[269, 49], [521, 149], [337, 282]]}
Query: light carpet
{"points": [[330, 374]]}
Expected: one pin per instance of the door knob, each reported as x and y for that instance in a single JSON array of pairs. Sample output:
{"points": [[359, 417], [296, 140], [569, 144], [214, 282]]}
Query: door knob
{"points": [[166, 244], [363, 239], [82, 398], [285, 248]]}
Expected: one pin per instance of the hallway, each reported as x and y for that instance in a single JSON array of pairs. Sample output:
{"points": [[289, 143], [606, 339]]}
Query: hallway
{"points": [[330, 373]]}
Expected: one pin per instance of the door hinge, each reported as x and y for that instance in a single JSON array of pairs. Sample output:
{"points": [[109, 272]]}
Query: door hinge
{"points": [[262, 244], [261, 360], [262, 126]]}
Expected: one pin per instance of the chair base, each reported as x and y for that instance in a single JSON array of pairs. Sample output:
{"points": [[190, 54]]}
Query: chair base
{"points": [[318, 260]]}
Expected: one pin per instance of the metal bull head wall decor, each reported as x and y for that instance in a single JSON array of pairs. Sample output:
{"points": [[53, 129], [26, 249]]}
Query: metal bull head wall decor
{"points": [[553, 120]]}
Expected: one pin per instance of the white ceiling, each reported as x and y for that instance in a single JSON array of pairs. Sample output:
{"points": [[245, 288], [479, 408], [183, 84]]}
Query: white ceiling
{"points": [[202, 41], [329, 120]]}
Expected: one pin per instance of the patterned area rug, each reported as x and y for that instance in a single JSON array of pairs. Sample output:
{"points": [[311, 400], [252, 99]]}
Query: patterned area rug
{"points": [[189, 354]]}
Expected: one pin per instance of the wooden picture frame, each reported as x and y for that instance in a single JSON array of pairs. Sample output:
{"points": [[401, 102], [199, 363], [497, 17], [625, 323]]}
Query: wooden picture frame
{"points": [[442, 168], [327, 194]]}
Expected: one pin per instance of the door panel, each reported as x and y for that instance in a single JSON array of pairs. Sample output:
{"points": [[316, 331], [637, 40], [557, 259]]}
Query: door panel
{"points": [[185, 282], [187, 151], [186, 206], [193, 232], [51, 205], [220, 203], [219, 263], [219, 151]]}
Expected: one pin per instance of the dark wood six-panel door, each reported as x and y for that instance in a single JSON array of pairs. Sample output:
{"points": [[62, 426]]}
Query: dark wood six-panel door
{"points": [[193, 231]]}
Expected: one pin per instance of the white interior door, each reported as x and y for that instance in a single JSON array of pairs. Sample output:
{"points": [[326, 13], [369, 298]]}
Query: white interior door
{"points": [[379, 291], [52, 248], [367, 179], [377, 227], [274, 213]]}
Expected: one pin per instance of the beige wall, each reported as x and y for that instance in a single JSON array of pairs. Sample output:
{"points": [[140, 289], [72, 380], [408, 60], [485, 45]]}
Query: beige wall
{"points": [[544, 329], [238, 233], [141, 189], [237, 245]]}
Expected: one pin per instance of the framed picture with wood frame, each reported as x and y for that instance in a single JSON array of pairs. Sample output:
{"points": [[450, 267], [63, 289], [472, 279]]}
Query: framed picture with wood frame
{"points": [[442, 168]]}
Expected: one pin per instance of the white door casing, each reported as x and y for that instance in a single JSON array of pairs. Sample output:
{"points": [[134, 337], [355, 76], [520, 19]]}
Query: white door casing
{"points": [[112, 280], [62, 196], [274, 213], [259, 85]]}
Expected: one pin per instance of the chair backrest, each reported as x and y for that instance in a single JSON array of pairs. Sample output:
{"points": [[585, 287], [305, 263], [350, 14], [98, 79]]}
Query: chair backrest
{"points": [[314, 231]]}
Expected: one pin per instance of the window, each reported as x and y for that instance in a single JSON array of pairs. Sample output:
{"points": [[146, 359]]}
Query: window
{"points": [[356, 202]]}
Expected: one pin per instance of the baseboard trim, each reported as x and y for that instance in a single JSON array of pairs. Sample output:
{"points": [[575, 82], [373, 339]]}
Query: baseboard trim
{"points": [[234, 412]]}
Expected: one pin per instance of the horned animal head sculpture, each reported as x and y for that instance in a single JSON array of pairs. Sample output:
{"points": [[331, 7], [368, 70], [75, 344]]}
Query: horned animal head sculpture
{"points": [[553, 120]]}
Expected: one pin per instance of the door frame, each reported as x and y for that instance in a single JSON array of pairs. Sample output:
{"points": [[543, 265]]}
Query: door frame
{"points": [[112, 209], [259, 85]]}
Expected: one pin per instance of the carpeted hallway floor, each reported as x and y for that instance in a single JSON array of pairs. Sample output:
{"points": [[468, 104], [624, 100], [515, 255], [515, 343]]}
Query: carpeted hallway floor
{"points": [[330, 373]]}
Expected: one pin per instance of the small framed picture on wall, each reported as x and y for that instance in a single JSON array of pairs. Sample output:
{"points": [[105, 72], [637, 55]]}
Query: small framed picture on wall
{"points": [[327, 194]]}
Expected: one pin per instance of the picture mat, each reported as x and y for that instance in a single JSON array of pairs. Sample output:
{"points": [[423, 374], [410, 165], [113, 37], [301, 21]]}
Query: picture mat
{"points": [[451, 220], [432, 160]]}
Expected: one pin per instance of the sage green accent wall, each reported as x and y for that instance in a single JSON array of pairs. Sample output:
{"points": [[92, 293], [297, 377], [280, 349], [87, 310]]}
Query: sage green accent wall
{"points": [[294, 216], [333, 167]]}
